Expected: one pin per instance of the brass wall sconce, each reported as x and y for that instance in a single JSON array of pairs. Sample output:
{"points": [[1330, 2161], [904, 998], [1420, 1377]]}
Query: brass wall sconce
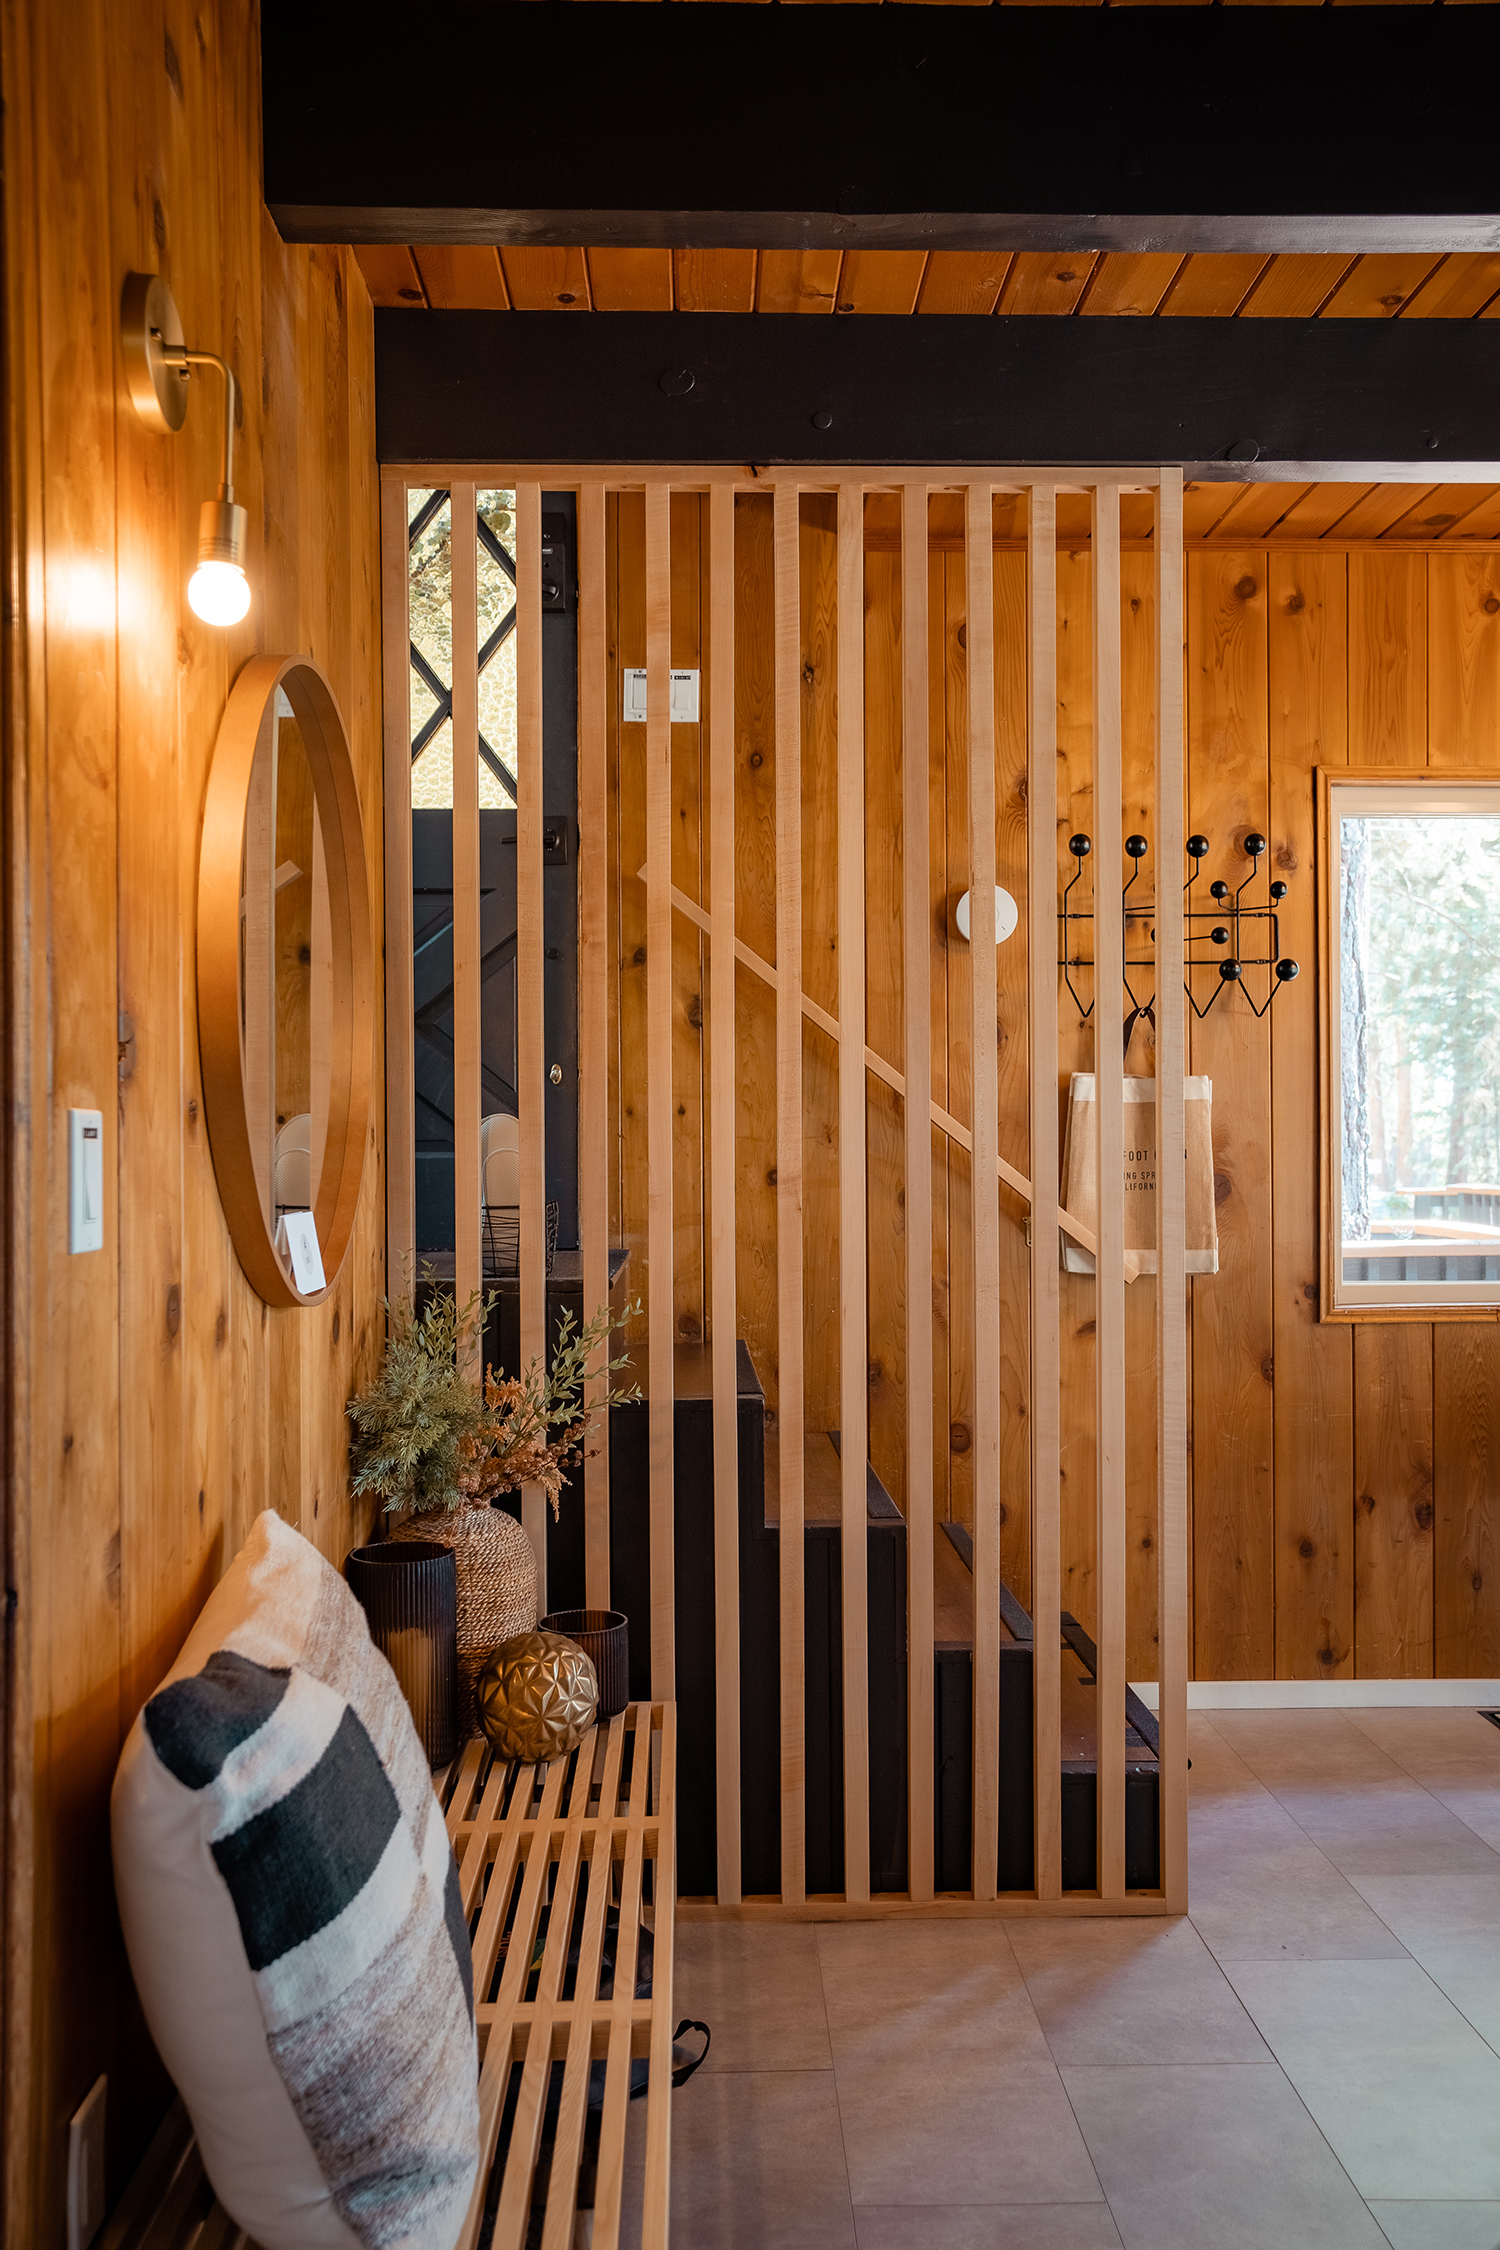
{"points": [[158, 369]]}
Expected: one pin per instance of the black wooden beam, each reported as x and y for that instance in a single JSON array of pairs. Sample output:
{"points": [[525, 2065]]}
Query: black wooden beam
{"points": [[1241, 398], [585, 121]]}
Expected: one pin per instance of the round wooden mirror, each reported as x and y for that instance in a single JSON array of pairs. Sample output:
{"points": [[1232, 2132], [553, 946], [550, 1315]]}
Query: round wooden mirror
{"points": [[285, 978]]}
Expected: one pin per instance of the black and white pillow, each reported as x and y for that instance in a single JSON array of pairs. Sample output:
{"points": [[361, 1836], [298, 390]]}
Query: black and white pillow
{"points": [[292, 1911]]}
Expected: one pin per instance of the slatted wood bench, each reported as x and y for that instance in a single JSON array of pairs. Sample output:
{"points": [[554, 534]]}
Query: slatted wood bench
{"points": [[545, 1854]]}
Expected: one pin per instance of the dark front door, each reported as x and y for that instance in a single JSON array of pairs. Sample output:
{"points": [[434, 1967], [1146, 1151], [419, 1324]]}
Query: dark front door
{"points": [[432, 918]]}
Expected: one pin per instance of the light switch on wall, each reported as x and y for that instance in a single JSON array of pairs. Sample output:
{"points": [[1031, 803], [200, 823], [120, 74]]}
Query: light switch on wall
{"points": [[85, 1179], [683, 692], [86, 2164]]}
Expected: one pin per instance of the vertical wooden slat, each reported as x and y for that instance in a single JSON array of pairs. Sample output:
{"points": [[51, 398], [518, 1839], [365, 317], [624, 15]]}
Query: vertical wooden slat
{"points": [[593, 1002], [979, 601], [659, 1075], [1394, 1600], [853, 1350], [530, 1019], [1312, 1359], [917, 1059], [1041, 540], [788, 697], [400, 1068], [1233, 1367], [1109, 1263], [1109, 1281], [464, 581], [721, 1098], [1466, 1479], [1463, 720], [1171, 1285]]}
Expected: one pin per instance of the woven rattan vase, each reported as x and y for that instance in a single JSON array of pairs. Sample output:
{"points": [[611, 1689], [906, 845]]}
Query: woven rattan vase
{"points": [[497, 1595]]}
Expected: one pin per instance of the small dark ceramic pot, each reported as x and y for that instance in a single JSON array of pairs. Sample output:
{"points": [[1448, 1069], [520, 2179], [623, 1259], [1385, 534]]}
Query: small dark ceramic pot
{"points": [[603, 1635]]}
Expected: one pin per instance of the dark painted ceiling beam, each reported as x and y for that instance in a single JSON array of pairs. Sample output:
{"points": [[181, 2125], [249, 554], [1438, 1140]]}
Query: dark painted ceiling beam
{"points": [[588, 121], [1233, 398]]}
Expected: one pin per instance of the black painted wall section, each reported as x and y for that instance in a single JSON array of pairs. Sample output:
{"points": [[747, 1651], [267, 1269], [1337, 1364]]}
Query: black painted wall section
{"points": [[765, 387]]}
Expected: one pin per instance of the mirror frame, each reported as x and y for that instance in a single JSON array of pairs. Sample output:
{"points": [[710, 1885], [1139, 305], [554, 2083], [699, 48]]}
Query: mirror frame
{"points": [[244, 729]]}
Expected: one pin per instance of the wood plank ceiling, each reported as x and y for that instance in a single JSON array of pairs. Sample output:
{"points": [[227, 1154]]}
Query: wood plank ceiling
{"points": [[1150, 285]]}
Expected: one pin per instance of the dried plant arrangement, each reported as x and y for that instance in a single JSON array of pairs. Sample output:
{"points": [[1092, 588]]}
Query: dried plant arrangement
{"points": [[537, 1425], [428, 1439]]}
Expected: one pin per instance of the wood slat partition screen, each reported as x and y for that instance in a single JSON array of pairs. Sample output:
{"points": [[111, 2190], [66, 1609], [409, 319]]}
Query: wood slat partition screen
{"points": [[853, 1244]]}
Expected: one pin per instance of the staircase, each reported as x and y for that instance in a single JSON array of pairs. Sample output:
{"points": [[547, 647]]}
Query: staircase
{"points": [[760, 1669]]}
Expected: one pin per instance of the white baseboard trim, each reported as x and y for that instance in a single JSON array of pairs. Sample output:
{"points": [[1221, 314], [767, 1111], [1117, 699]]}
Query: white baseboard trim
{"points": [[1331, 1695]]}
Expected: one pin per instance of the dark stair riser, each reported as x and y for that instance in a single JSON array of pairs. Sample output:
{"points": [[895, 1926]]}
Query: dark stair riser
{"points": [[760, 1687], [760, 1658], [953, 1720]]}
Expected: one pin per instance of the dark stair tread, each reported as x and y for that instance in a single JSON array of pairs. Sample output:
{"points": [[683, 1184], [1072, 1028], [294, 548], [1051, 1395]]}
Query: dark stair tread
{"points": [[693, 1373], [953, 1622], [567, 1270], [822, 1487]]}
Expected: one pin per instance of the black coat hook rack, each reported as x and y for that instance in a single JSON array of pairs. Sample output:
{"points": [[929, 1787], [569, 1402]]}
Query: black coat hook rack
{"points": [[1230, 924]]}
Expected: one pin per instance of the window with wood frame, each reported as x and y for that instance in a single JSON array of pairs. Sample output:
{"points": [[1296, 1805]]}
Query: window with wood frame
{"points": [[1410, 914]]}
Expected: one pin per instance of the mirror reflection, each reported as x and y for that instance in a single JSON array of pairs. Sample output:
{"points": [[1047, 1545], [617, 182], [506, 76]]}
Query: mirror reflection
{"points": [[285, 979]]}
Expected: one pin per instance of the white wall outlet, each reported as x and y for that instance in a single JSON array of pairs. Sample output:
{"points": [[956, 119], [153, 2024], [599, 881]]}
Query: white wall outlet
{"points": [[86, 2168], [85, 1179], [684, 698]]}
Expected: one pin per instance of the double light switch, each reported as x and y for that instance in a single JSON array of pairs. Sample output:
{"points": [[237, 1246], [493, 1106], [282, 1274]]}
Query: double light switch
{"points": [[684, 698]]}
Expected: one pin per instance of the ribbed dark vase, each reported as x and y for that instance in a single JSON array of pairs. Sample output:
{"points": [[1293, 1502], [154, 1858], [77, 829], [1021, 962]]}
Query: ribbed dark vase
{"points": [[408, 1590], [603, 1635]]}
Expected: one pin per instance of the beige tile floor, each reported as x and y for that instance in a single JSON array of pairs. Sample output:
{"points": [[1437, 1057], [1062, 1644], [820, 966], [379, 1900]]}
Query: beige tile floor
{"points": [[1309, 2061]]}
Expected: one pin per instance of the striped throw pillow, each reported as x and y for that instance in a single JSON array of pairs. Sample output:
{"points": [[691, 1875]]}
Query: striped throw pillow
{"points": [[292, 1913]]}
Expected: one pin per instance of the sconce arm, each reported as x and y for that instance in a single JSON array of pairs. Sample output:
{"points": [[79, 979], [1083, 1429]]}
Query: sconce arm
{"points": [[178, 355]]}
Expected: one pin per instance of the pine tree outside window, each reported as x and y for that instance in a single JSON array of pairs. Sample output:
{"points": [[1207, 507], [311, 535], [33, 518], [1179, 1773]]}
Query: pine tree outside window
{"points": [[1410, 914]]}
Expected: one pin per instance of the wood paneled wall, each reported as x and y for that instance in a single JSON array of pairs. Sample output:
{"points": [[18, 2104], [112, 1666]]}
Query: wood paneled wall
{"points": [[154, 1405], [1346, 1478], [1346, 1481]]}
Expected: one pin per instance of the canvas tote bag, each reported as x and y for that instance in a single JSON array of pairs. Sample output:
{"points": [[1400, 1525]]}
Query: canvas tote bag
{"points": [[1080, 1160]]}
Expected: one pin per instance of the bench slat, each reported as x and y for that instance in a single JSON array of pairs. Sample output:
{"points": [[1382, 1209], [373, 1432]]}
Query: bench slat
{"points": [[526, 1838]]}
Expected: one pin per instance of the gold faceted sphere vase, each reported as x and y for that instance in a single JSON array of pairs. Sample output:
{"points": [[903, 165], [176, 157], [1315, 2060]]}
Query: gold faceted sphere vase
{"points": [[537, 1697]]}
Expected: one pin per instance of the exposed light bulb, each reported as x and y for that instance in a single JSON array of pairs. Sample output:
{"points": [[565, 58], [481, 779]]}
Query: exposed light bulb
{"points": [[219, 593], [218, 590]]}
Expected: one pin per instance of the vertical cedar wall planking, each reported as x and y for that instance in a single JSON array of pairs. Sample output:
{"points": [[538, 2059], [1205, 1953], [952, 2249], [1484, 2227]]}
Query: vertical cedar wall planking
{"points": [[156, 1405], [1345, 1481]]}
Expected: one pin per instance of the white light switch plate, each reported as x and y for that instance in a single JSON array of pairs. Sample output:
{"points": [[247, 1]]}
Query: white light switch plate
{"points": [[684, 694], [86, 2168], [85, 1179]]}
